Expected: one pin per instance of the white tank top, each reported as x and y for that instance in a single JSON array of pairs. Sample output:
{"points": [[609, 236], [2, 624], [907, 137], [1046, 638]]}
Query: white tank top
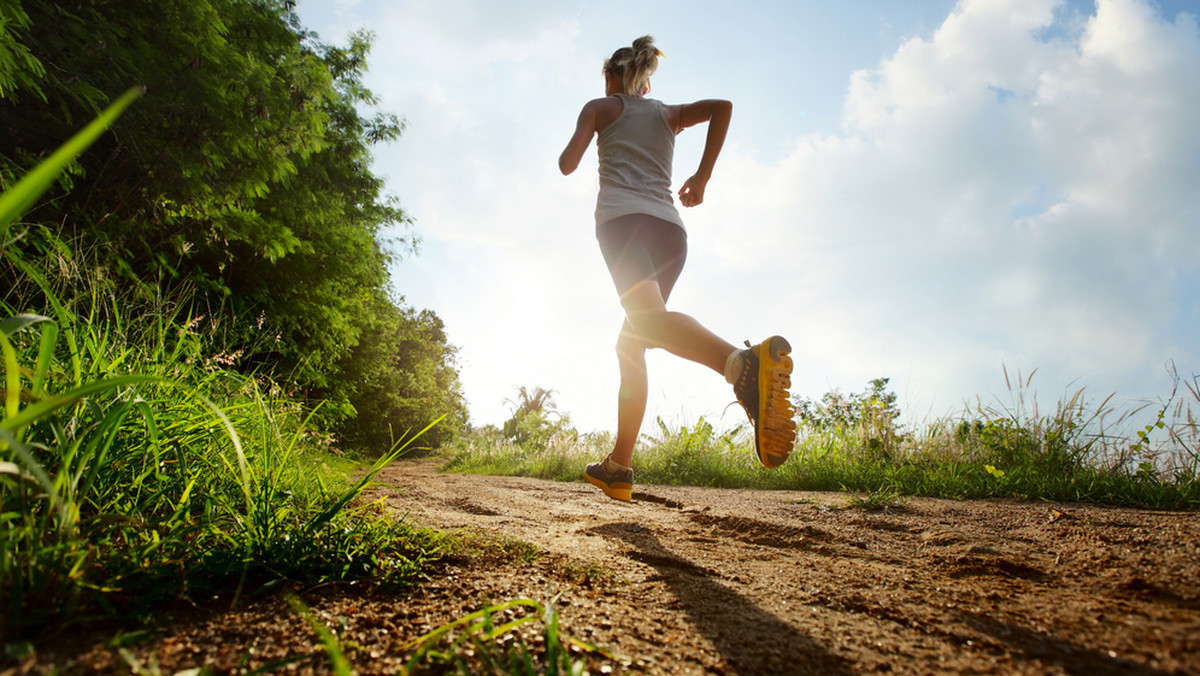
{"points": [[636, 151]]}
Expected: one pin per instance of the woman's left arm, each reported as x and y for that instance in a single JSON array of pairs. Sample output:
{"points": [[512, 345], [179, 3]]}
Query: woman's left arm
{"points": [[717, 113]]}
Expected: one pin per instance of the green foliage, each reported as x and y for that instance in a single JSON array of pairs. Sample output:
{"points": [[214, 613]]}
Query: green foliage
{"points": [[878, 501], [693, 456], [535, 430], [535, 421], [243, 177], [19, 69], [14, 202], [402, 370], [488, 450], [123, 483], [539, 399], [836, 410], [872, 415]]}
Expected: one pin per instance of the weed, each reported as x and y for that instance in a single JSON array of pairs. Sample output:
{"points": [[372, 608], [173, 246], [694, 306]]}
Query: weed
{"points": [[877, 501], [584, 574], [521, 550], [490, 641]]}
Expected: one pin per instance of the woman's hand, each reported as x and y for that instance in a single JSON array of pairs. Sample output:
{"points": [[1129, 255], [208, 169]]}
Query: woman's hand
{"points": [[692, 192]]}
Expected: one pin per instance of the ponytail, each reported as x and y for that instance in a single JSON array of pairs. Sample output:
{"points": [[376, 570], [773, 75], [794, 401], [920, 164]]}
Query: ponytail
{"points": [[635, 65]]}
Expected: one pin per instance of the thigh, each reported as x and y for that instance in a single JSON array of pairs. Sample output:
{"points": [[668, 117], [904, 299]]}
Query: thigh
{"points": [[639, 249], [669, 253]]}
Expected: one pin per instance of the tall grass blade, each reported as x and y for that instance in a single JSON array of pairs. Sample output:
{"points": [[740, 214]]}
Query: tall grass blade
{"points": [[347, 496], [48, 405], [18, 200]]}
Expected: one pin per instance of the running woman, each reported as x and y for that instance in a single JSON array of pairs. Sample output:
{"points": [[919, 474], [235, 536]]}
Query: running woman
{"points": [[644, 245]]}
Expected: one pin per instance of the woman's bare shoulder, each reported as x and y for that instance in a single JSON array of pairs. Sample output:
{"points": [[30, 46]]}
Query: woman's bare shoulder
{"points": [[605, 110]]}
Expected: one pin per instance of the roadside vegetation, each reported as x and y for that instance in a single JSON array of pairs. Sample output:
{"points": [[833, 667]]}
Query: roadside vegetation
{"points": [[1079, 451], [240, 184], [136, 473], [203, 362]]}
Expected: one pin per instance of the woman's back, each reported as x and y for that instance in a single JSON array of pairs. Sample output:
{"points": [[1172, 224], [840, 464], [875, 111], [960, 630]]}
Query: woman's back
{"points": [[636, 152]]}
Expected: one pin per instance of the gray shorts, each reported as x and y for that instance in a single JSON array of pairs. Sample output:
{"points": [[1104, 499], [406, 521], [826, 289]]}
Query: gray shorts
{"points": [[639, 247]]}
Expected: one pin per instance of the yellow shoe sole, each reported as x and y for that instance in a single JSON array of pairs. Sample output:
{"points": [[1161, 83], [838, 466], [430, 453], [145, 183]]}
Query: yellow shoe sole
{"points": [[618, 490], [776, 433]]}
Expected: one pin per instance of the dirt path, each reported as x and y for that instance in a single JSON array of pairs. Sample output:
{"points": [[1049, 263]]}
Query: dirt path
{"points": [[687, 580], [750, 582]]}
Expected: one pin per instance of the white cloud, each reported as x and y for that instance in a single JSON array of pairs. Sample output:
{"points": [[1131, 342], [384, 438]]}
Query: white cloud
{"points": [[993, 197]]}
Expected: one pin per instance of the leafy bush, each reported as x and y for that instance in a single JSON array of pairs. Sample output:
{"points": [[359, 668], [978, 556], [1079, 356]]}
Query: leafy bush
{"points": [[874, 405], [535, 420], [872, 415]]}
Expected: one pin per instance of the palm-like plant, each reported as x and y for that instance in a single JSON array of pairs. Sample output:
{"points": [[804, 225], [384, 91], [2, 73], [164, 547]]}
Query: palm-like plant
{"points": [[537, 400]]}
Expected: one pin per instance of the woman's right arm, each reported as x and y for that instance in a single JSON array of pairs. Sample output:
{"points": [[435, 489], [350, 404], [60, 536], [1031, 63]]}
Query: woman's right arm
{"points": [[585, 129]]}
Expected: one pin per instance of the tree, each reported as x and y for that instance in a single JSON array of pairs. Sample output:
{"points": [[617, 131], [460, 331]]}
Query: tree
{"points": [[399, 377], [531, 424], [244, 173], [835, 410], [536, 400]]}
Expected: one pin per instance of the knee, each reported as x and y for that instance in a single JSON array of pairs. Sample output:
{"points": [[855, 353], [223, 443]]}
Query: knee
{"points": [[645, 323], [630, 350]]}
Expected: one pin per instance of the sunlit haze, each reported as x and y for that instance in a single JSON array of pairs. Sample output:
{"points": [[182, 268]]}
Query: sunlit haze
{"points": [[928, 191]]}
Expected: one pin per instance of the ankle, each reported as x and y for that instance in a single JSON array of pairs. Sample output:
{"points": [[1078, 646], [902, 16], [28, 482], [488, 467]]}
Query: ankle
{"points": [[733, 366], [613, 465]]}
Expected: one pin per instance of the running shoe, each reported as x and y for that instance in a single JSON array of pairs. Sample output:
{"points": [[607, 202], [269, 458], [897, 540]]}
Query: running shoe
{"points": [[762, 389], [617, 485]]}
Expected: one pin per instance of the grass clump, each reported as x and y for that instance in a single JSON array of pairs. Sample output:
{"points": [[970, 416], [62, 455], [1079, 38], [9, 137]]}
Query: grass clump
{"points": [[136, 471], [561, 457]]}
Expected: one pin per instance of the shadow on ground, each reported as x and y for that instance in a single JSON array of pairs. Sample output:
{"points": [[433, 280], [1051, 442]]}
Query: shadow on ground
{"points": [[751, 640]]}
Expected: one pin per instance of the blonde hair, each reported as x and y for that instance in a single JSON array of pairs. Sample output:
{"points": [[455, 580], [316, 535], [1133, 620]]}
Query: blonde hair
{"points": [[634, 65]]}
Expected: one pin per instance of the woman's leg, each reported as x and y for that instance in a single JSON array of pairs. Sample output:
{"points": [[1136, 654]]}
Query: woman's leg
{"points": [[649, 324], [681, 335], [631, 399], [645, 257]]}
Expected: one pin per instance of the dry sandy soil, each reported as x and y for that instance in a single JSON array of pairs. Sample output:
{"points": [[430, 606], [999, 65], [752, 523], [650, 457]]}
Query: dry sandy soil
{"points": [[689, 580]]}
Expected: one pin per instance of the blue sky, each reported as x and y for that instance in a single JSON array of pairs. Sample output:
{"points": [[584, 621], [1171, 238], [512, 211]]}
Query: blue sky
{"points": [[929, 191]]}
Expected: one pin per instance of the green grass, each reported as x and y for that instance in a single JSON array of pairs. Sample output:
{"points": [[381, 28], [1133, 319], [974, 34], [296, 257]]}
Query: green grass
{"points": [[559, 457], [135, 470], [1012, 451]]}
